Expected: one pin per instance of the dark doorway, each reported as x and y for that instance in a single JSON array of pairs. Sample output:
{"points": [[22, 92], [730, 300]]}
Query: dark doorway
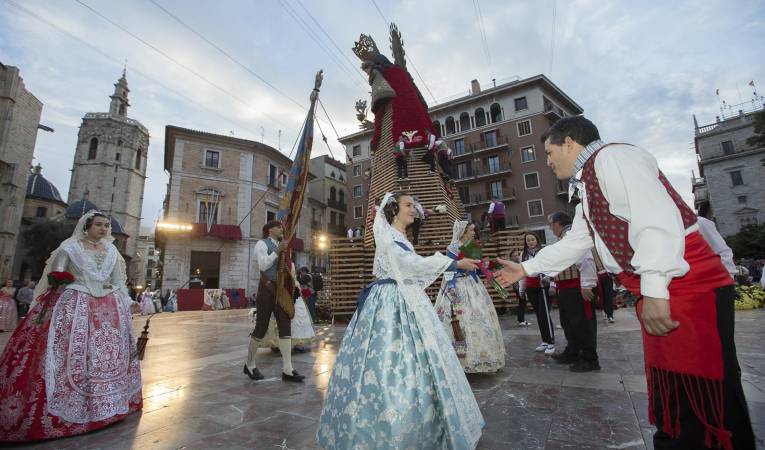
{"points": [[205, 266]]}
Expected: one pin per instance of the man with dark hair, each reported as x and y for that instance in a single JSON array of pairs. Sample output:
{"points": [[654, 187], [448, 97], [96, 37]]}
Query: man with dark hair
{"points": [[649, 238], [574, 286], [267, 251]]}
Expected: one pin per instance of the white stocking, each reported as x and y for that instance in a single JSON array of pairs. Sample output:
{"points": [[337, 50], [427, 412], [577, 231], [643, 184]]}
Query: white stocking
{"points": [[285, 346]]}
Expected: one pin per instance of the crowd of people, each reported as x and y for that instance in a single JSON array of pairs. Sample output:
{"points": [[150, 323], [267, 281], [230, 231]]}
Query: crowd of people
{"points": [[399, 379]]}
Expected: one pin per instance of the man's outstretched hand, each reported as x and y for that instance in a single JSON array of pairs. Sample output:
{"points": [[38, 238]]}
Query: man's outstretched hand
{"points": [[510, 272]]}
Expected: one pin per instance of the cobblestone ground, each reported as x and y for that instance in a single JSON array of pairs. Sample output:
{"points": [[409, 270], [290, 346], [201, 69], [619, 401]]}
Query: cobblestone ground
{"points": [[196, 397]]}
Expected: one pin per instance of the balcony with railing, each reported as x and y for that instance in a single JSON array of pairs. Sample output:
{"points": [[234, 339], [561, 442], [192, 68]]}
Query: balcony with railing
{"points": [[337, 229], [488, 144], [486, 198], [333, 203], [473, 173], [552, 111]]}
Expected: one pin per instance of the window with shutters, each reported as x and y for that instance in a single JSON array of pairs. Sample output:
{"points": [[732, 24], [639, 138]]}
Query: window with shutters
{"points": [[531, 180], [212, 159], [459, 147], [521, 104], [535, 208], [727, 147], [736, 178], [490, 138], [527, 154], [524, 128]]}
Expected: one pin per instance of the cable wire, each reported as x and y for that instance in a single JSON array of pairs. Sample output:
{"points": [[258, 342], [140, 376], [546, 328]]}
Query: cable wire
{"points": [[175, 61]]}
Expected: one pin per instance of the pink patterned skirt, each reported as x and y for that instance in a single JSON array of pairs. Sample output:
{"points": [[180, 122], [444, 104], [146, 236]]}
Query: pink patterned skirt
{"points": [[68, 368], [9, 315]]}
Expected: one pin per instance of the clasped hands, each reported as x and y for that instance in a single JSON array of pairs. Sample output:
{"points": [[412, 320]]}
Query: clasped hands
{"points": [[655, 315]]}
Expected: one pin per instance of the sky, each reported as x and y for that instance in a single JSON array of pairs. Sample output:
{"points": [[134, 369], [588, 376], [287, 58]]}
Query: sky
{"points": [[244, 68]]}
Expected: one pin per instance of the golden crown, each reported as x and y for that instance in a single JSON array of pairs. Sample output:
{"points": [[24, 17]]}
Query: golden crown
{"points": [[365, 47]]}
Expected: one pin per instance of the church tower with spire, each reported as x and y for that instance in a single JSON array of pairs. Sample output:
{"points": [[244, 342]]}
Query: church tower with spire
{"points": [[109, 168]]}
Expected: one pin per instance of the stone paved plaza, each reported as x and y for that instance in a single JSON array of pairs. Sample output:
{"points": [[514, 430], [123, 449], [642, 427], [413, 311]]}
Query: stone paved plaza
{"points": [[196, 397]]}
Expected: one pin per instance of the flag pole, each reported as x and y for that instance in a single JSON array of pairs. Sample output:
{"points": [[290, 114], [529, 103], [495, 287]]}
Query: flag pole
{"points": [[292, 204]]}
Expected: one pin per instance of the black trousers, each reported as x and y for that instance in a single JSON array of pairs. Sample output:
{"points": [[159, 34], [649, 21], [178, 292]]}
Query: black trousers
{"points": [[497, 223], [266, 305], [401, 167], [446, 165], [606, 292], [430, 160], [736, 417], [521, 311], [546, 328], [579, 331]]}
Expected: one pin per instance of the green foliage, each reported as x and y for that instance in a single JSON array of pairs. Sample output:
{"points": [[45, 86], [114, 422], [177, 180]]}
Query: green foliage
{"points": [[758, 122], [41, 239], [749, 242], [750, 297]]}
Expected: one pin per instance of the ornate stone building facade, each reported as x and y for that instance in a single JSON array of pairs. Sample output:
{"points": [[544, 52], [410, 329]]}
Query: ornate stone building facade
{"points": [[222, 191], [19, 119], [731, 172], [329, 187], [110, 164]]}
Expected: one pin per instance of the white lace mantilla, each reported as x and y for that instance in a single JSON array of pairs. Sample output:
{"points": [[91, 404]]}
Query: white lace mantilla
{"points": [[89, 265]]}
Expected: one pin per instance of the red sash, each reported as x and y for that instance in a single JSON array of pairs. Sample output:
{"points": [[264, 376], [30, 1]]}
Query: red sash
{"points": [[533, 282], [690, 357]]}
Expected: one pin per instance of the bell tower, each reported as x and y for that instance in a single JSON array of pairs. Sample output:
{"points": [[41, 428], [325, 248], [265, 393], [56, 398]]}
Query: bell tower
{"points": [[109, 166]]}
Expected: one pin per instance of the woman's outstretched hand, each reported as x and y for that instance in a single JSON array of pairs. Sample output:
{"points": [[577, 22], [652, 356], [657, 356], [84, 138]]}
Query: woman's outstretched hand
{"points": [[468, 264]]}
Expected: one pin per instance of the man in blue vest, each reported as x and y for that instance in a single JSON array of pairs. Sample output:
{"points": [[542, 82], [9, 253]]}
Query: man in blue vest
{"points": [[267, 252]]}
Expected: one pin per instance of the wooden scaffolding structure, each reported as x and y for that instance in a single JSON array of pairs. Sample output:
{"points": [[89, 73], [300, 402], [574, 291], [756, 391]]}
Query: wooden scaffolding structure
{"points": [[351, 259]]}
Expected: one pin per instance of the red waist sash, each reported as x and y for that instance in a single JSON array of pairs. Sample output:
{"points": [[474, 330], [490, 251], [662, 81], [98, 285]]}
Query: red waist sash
{"points": [[690, 357]]}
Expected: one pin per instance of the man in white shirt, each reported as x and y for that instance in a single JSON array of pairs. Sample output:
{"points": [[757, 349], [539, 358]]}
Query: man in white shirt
{"points": [[715, 240], [574, 287], [648, 237], [267, 252]]}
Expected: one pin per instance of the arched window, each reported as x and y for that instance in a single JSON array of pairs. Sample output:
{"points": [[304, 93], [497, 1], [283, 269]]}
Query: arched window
{"points": [[93, 148], [496, 112], [450, 127], [341, 194], [480, 117], [464, 121], [138, 159], [332, 194]]}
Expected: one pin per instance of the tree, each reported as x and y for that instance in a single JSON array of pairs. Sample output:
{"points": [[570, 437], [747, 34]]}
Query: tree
{"points": [[758, 122], [40, 239], [749, 242]]}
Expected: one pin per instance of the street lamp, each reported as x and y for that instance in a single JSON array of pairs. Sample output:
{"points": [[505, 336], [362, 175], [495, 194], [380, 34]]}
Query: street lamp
{"points": [[168, 226]]}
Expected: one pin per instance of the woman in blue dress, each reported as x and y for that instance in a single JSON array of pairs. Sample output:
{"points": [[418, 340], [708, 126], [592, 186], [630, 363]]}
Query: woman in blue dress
{"points": [[397, 383]]}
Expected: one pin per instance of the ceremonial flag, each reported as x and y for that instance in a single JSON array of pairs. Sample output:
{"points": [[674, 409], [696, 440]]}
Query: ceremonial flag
{"points": [[292, 204]]}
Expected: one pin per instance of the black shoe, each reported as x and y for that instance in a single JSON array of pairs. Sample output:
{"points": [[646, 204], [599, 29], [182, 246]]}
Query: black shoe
{"points": [[584, 366], [299, 349], [565, 358], [254, 374], [295, 377]]}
